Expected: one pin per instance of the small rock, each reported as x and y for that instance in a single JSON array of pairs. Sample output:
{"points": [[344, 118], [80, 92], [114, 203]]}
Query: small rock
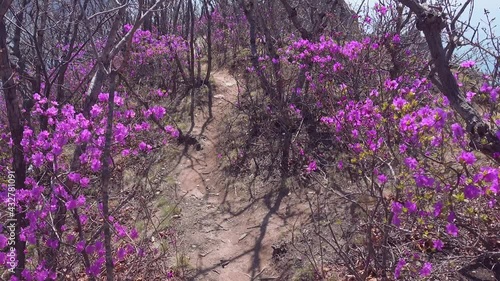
{"points": [[243, 236]]}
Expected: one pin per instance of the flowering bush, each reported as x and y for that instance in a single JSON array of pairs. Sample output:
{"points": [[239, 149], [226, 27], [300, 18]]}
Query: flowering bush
{"points": [[367, 107], [65, 160]]}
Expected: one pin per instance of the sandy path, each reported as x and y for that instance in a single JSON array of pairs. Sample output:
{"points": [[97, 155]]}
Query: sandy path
{"points": [[225, 235]]}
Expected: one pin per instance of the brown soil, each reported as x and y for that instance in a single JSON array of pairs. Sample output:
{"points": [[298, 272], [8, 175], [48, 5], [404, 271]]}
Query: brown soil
{"points": [[226, 233]]}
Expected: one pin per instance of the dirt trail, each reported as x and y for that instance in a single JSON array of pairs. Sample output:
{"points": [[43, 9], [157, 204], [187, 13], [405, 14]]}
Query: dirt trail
{"points": [[226, 235]]}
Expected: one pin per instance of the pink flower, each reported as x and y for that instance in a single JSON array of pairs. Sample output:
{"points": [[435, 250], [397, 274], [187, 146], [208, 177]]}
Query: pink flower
{"points": [[396, 39], [158, 111], [121, 253], [121, 231], [90, 249], [145, 125], [438, 244], [95, 269], [471, 192], [469, 96], [337, 66], [457, 130], [95, 111], [129, 114], [172, 131], [138, 127], [327, 120], [437, 208], [71, 237], [85, 136], [452, 229], [467, 157], [391, 84], [486, 88], [125, 152], [118, 100], [311, 167], [494, 188], [74, 177], [3, 241], [411, 206], [494, 95], [38, 159], [56, 150], [127, 27], [83, 219], [84, 182], [80, 246], [399, 267], [374, 93], [468, 64], [382, 178], [355, 133], [103, 97], [411, 163], [52, 111], [426, 269], [147, 113], [52, 243], [399, 103], [492, 202], [121, 132], [71, 204], [142, 145], [397, 207], [95, 165], [380, 9], [134, 234]]}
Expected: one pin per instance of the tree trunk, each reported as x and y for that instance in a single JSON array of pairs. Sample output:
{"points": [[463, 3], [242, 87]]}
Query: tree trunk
{"points": [[431, 23], [105, 179], [16, 129]]}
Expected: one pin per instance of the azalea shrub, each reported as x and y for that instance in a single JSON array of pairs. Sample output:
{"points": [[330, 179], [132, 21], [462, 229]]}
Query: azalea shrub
{"points": [[368, 110], [61, 204]]}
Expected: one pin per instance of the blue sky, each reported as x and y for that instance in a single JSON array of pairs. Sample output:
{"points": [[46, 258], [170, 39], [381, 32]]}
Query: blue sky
{"points": [[478, 17], [479, 5], [493, 6]]}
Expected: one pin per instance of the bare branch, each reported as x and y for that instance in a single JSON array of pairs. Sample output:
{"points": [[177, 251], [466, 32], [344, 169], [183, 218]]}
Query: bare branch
{"points": [[431, 23], [4, 7]]}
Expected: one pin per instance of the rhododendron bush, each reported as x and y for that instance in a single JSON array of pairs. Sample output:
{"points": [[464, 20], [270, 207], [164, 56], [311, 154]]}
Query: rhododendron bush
{"points": [[75, 113], [367, 106], [51, 185]]}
